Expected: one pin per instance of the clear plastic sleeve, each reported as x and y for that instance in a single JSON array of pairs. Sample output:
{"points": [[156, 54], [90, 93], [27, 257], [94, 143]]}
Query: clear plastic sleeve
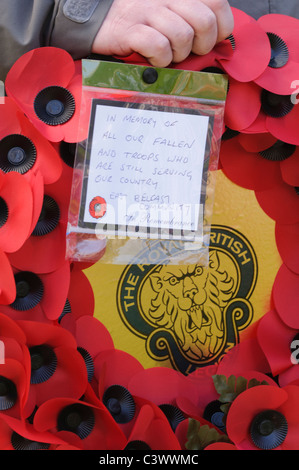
{"points": [[144, 171]]}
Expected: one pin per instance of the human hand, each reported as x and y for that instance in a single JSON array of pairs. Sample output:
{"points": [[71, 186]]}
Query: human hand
{"points": [[163, 31]]}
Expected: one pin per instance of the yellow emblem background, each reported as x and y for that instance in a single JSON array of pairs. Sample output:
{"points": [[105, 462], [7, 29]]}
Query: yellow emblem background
{"points": [[234, 207]]}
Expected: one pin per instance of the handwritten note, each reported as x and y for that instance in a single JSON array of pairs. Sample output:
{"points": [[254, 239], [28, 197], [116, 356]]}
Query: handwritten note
{"points": [[145, 166]]}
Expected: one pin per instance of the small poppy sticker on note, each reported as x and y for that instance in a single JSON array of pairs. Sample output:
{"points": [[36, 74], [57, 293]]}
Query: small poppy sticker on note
{"points": [[97, 207]]}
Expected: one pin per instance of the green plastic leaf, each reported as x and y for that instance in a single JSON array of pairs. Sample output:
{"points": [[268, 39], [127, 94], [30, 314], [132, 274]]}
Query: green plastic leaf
{"points": [[200, 436], [225, 387], [230, 387]]}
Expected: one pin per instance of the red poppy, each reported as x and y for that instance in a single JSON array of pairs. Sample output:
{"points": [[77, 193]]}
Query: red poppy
{"points": [[57, 367], [113, 370], [16, 208], [283, 154], [152, 431], [252, 170], [287, 240], [283, 67], [159, 385], [278, 115], [242, 106], [44, 250], [91, 337], [7, 281], [37, 187], [14, 382], [265, 417], [13, 342], [198, 398], [250, 57], [280, 202], [39, 297], [80, 300], [272, 331], [20, 435], [285, 295], [245, 356], [201, 399], [67, 153], [23, 149], [285, 127], [93, 424], [162, 387], [10, 329], [48, 92]]}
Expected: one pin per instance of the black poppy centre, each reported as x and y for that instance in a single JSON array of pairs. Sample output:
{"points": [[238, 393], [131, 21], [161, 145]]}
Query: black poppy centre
{"points": [[29, 291], [17, 153], [54, 105], [268, 429]]}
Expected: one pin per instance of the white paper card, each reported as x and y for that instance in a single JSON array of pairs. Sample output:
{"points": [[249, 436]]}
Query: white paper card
{"points": [[145, 167]]}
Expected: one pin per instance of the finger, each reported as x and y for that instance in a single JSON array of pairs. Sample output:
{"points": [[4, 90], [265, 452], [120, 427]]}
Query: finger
{"points": [[178, 31], [151, 44], [202, 20], [209, 27], [224, 17]]}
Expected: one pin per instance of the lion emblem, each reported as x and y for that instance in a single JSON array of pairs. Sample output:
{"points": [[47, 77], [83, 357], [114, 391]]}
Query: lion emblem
{"points": [[190, 300]]}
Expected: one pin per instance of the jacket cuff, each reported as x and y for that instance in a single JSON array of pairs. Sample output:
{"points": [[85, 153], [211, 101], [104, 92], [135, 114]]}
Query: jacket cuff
{"points": [[76, 23]]}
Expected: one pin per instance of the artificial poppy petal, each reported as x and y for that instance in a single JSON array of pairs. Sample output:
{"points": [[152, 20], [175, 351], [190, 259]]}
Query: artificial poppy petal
{"points": [[16, 208], [17, 434], [115, 367], [48, 160], [280, 203], [10, 329], [7, 281], [37, 188], [14, 387], [256, 142], [39, 295], [23, 149], [52, 70], [93, 424], [250, 58], [80, 300], [272, 331], [57, 368], [243, 104], [258, 126], [159, 385], [246, 407], [88, 331], [276, 81], [285, 127], [287, 240], [284, 64], [289, 168], [247, 355], [44, 250], [286, 287], [152, 431], [248, 170]]}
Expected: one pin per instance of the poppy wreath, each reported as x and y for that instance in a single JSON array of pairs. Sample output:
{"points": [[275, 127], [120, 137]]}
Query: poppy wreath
{"points": [[63, 384]]}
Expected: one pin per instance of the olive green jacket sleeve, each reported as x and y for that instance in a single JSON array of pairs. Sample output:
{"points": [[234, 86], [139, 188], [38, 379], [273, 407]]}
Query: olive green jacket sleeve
{"points": [[258, 8], [28, 24]]}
